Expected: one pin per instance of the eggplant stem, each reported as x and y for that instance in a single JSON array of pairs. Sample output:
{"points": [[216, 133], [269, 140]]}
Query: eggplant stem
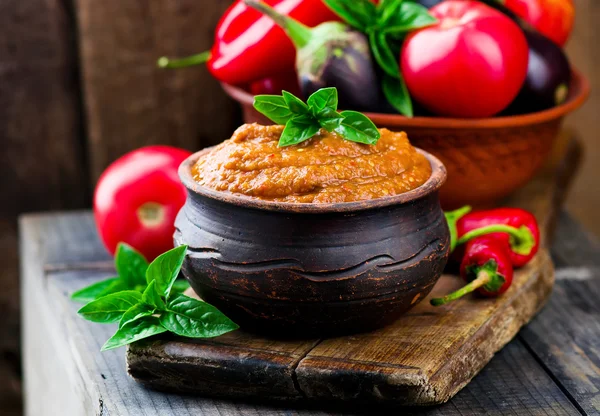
{"points": [[198, 59], [483, 278], [299, 33]]}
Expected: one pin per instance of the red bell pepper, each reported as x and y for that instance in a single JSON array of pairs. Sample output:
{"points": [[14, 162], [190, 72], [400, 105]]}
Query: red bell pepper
{"points": [[487, 268], [286, 81], [249, 46], [515, 227]]}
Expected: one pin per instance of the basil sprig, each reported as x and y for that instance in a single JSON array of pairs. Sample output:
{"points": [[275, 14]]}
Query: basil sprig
{"points": [[146, 300], [304, 120], [385, 25], [131, 270]]}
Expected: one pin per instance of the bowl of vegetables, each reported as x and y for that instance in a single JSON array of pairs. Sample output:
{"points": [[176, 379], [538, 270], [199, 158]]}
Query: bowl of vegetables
{"points": [[482, 86]]}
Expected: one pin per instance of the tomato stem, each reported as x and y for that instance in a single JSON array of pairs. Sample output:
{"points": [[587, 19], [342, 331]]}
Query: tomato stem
{"points": [[151, 214]]}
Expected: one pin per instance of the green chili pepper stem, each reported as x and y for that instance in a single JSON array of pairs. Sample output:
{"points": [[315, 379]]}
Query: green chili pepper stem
{"points": [[452, 218], [522, 240], [198, 59], [299, 33], [483, 278]]}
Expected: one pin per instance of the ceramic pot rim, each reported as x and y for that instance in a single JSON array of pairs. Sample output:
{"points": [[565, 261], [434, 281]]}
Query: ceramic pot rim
{"points": [[579, 90], [433, 184]]}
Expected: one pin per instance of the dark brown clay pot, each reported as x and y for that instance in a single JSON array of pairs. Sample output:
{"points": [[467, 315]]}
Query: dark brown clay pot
{"points": [[313, 269], [487, 159]]}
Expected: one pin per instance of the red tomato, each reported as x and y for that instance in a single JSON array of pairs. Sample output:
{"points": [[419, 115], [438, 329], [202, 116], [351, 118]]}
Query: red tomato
{"points": [[137, 198], [276, 84], [472, 63], [552, 18]]}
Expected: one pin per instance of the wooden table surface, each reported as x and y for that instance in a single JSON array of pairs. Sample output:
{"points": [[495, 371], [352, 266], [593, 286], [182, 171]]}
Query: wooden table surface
{"points": [[552, 367]]}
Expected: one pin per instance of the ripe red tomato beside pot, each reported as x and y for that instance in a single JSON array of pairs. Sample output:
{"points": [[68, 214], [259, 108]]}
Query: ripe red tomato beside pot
{"points": [[472, 63], [137, 198], [552, 18]]}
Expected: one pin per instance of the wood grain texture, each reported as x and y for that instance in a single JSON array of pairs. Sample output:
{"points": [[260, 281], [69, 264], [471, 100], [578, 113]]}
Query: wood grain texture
{"points": [[41, 147], [65, 369], [129, 102], [39, 114], [566, 338], [10, 371], [429, 354], [584, 54]]}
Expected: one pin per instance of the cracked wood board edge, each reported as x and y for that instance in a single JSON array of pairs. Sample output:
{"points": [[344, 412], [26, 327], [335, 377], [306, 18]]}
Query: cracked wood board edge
{"points": [[320, 379]]}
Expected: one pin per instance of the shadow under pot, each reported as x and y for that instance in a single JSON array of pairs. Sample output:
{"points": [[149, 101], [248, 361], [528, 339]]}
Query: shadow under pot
{"points": [[289, 269]]}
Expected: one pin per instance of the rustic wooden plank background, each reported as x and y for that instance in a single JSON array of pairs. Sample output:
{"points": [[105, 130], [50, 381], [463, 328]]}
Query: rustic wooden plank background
{"points": [[78, 88], [584, 53]]}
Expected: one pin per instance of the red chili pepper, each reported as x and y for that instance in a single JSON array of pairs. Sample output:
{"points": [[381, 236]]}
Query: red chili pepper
{"points": [[515, 227], [452, 218], [249, 46], [486, 267]]}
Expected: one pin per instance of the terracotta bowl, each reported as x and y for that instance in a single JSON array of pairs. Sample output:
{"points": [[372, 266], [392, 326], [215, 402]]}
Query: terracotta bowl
{"points": [[313, 269], [487, 159]]}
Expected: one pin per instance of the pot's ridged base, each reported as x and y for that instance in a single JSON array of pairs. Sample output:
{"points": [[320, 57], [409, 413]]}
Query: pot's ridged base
{"points": [[310, 274], [291, 318]]}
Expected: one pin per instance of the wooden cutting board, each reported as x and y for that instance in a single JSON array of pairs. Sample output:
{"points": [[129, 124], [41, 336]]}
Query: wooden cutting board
{"points": [[424, 358]]}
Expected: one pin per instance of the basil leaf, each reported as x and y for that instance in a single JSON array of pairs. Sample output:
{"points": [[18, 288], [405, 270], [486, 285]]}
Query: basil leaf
{"points": [[329, 119], [134, 331], [297, 131], [131, 265], [98, 289], [295, 104], [397, 95], [359, 14], [165, 269], [410, 17], [273, 107], [322, 99], [180, 286], [192, 318], [357, 127], [383, 54], [134, 313], [386, 10], [151, 297], [110, 308]]}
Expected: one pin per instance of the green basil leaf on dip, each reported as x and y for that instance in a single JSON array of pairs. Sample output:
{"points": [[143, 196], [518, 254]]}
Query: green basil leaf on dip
{"points": [[297, 131], [274, 107], [324, 98], [295, 104], [357, 127]]}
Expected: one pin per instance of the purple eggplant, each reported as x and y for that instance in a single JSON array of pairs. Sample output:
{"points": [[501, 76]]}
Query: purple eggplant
{"points": [[331, 54], [428, 3], [548, 76]]}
